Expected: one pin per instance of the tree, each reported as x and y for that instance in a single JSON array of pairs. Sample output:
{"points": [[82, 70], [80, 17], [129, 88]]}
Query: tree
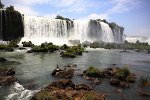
{"points": [[11, 8], [1, 5]]}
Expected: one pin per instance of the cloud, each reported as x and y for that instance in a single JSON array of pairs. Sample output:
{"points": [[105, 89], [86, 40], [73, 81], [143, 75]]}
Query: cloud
{"points": [[50, 15], [123, 5], [96, 16]]}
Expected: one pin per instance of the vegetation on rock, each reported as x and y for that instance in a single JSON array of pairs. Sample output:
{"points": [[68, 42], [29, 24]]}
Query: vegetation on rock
{"points": [[72, 51], [92, 72], [27, 44], [122, 73], [45, 47]]}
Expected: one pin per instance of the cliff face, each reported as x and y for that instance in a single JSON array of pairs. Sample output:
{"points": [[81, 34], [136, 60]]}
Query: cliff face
{"points": [[11, 25]]}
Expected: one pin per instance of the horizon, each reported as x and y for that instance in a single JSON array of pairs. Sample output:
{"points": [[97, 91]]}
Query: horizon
{"points": [[133, 15]]}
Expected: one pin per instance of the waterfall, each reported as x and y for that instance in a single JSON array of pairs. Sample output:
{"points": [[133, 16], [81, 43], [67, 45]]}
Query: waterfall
{"points": [[41, 29], [107, 34]]}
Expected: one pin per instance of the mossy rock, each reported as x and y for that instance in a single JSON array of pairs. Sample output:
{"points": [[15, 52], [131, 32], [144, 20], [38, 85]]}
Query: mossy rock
{"points": [[122, 73], [92, 72]]}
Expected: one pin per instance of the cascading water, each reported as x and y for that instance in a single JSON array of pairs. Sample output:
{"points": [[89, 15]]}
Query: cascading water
{"points": [[40, 29], [18, 92], [107, 34]]}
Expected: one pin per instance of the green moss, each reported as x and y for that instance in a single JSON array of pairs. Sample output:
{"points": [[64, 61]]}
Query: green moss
{"points": [[122, 73], [64, 47], [45, 47], [67, 55], [3, 46], [88, 97], [44, 95], [92, 72]]}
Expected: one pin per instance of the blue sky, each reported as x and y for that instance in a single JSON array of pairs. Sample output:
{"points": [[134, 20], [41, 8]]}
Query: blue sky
{"points": [[133, 15]]}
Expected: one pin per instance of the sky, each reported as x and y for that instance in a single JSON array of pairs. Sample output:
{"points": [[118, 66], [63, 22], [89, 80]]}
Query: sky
{"points": [[133, 15]]}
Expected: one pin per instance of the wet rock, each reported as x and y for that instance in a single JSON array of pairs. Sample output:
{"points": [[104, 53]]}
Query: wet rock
{"points": [[2, 59], [71, 66], [131, 78], [29, 51], [7, 72], [110, 71], [119, 91], [22, 48], [59, 90], [7, 80], [96, 81], [115, 82], [82, 87], [123, 85], [6, 77], [65, 83], [60, 94], [65, 73], [144, 93]]}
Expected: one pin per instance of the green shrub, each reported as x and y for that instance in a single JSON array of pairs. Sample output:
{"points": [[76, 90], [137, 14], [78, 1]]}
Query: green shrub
{"points": [[88, 97], [27, 44], [3, 46], [122, 73], [92, 72], [67, 55]]}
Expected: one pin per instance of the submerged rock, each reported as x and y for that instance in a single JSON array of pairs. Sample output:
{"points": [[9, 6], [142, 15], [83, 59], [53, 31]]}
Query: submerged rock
{"points": [[115, 82], [2, 59], [96, 81]]}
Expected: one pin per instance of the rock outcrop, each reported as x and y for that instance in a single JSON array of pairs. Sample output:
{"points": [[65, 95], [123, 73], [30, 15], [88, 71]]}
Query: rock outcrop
{"points": [[66, 90], [6, 76]]}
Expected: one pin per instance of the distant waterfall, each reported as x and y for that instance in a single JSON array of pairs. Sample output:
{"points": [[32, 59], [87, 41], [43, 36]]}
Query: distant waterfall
{"points": [[40, 29]]}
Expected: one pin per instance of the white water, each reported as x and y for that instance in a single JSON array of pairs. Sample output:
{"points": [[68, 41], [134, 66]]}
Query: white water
{"points": [[18, 92], [40, 29]]}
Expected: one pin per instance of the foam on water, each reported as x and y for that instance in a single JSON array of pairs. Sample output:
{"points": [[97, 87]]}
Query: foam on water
{"points": [[18, 92]]}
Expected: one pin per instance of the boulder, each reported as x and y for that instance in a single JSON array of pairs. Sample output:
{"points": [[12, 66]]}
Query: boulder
{"points": [[7, 72], [71, 66], [61, 94], [2, 59], [123, 85], [96, 81], [59, 90], [7, 80], [65, 73], [64, 83], [82, 87], [115, 82], [131, 78], [110, 71], [22, 48]]}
